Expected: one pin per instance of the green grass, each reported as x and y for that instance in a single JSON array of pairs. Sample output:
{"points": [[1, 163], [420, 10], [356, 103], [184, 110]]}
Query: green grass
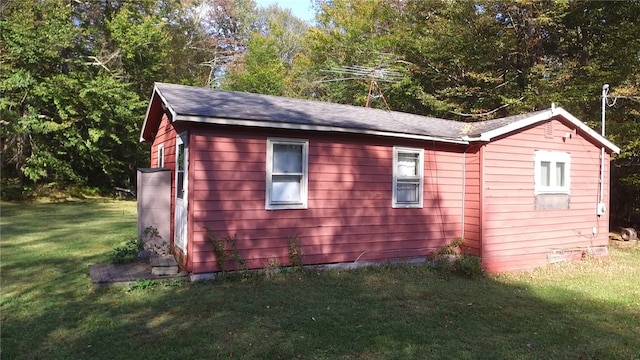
{"points": [[582, 310]]}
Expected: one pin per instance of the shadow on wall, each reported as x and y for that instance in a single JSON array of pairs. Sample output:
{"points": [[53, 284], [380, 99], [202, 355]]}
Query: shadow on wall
{"points": [[349, 213]]}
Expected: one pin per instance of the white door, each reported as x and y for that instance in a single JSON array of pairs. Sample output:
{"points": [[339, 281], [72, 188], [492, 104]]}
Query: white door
{"points": [[182, 159]]}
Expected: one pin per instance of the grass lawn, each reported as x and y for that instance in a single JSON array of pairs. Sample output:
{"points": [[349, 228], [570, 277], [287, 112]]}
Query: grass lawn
{"points": [[48, 309]]}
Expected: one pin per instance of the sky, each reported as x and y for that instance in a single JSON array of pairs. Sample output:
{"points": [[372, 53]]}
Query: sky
{"points": [[300, 8]]}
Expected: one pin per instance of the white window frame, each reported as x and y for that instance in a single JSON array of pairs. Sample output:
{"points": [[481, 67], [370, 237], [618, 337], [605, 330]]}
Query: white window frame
{"points": [[418, 179], [304, 175], [553, 157], [161, 155]]}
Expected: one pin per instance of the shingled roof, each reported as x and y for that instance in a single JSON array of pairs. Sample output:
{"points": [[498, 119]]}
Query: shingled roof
{"points": [[195, 104], [189, 103]]}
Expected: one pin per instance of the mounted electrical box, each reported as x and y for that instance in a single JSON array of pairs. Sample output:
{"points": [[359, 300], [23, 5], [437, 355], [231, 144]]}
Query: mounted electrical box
{"points": [[601, 209]]}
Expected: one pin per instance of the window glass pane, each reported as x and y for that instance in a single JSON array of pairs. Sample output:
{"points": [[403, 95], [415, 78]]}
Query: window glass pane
{"points": [[286, 189], [180, 185], [180, 172], [408, 164], [545, 173], [180, 160], [160, 156], [408, 192], [287, 158], [560, 174]]}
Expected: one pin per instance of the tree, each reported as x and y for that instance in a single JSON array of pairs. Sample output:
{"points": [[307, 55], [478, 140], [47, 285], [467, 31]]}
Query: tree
{"points": [[285, 30], [349, 33], [28, 70], [71, 111], [264, 67], [223, 27], [260, 70]]}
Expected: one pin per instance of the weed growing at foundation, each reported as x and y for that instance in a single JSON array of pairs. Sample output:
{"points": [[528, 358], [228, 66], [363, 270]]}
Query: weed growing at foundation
{"points": [[295, 251], [225, 250], [454, 259]]}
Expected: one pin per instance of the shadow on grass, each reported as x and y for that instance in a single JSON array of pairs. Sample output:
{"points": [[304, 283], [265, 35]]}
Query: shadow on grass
{"points": [[394, 312], [49, 244]]}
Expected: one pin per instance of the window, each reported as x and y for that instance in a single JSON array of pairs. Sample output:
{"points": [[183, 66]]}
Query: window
{"points": [[181, 164], [180, 170], [552, 172], [287, 174], [161, 155], [408, 170]]}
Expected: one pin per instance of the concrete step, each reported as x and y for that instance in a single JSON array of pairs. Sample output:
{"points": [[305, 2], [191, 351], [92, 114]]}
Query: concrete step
{"points": [[164, 265]]}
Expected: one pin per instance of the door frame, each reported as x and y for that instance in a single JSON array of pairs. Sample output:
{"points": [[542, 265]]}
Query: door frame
{"points": [[182, 194]]}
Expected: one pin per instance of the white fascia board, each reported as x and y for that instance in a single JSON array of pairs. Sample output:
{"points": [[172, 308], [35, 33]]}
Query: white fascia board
{"points": [[146, 116], [166, 103], [582, 126], [487, 136], [306, 127]]}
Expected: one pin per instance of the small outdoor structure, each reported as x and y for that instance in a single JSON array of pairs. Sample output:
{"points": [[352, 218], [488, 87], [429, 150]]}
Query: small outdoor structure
{"points": [[154, 204], [356, 184]]}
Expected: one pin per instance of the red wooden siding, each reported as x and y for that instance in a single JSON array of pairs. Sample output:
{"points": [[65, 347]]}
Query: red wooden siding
{"points": [[166, 135], [349, 215], [472, 203], [515, 235]]}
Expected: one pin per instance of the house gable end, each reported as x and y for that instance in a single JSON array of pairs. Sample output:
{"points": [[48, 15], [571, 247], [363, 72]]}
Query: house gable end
{"points": [[520, 122], [157, 107]]}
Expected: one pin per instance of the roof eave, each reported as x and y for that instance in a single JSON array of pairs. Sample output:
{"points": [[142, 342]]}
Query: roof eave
{"points": [[547, 115], [582, 126], [479, 138], [146, 115], [309, 127]]}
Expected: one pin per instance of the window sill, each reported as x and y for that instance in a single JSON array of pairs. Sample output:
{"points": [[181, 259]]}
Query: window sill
{"points": [[407, 206], [287, 207]]}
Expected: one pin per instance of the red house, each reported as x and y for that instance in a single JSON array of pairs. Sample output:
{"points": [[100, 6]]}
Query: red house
{"points": [[358, 184]]}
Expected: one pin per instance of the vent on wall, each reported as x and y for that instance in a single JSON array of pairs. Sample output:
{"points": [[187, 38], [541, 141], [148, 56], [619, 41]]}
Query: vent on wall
{"points": [[552, 202], [548, 129]]}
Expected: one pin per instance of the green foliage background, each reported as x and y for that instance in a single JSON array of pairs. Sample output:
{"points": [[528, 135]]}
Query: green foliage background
{"points": [[75, 76]]}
